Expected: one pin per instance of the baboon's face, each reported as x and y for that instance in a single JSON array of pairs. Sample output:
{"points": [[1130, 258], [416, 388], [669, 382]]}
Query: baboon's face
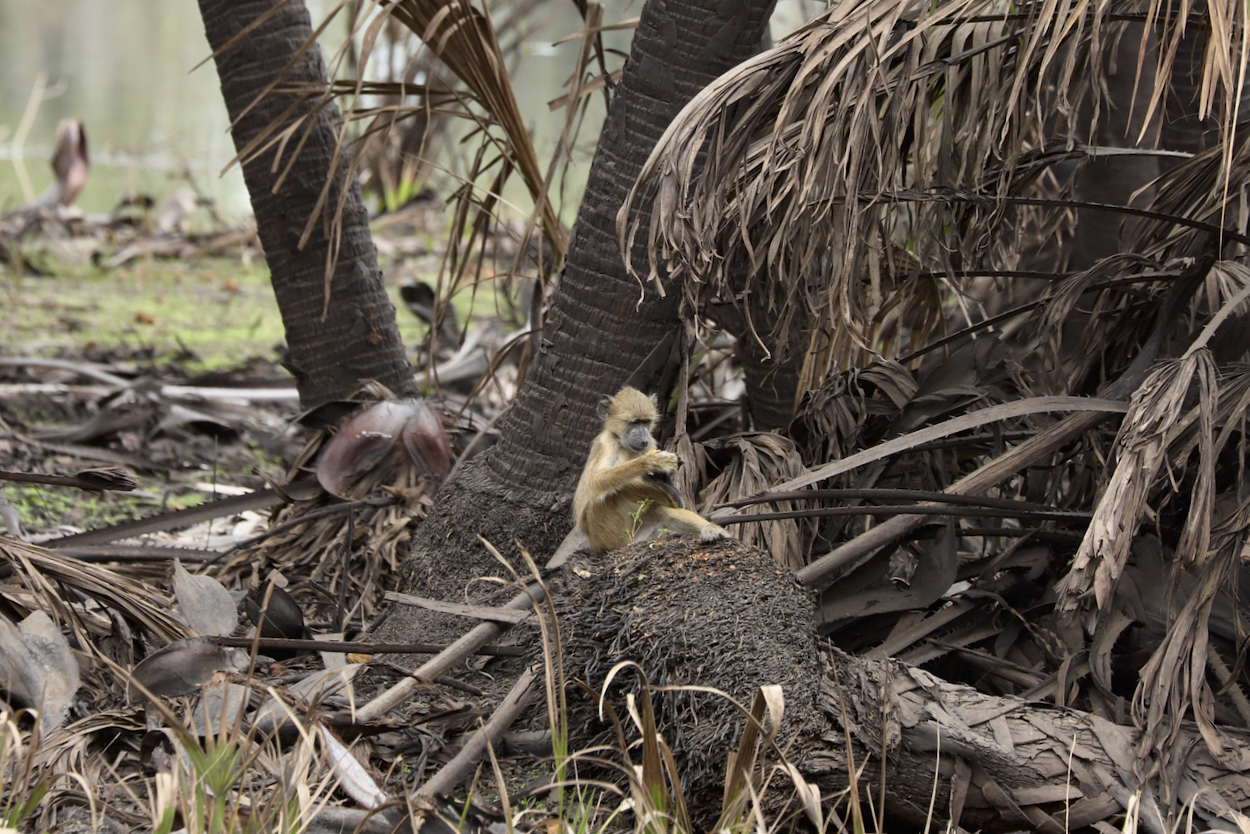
{"points": [[637, 437]]}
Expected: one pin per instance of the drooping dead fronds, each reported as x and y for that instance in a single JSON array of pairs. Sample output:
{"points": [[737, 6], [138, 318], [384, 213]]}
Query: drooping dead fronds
{"points": [[1144, 436], [1162, 429], [887, 137], [750, 463], [1174, 680]]}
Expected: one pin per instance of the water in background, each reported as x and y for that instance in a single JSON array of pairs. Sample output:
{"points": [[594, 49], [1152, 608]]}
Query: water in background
{"points": [[124, 69]]}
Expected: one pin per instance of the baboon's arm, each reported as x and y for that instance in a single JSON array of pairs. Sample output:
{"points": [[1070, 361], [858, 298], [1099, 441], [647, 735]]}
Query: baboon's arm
{"points": [[608, 482]]}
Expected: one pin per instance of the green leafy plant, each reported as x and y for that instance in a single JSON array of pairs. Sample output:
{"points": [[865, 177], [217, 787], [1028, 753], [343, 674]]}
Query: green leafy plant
{"points": [[399, 194], [637, 516]]}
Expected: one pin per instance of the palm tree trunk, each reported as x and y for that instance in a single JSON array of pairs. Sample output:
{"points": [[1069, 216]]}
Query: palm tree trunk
{"points": [[603, 328], [334, 343]]}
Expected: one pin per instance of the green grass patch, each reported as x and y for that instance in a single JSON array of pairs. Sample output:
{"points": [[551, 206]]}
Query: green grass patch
{"points": [[44, 507], [219, 309]]}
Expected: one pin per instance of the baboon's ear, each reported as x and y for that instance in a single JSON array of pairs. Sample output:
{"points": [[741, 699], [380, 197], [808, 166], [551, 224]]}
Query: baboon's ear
{"points": [[605, 402], [655, 401]]}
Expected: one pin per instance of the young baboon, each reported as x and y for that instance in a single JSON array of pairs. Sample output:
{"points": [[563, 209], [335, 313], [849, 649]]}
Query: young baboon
{"points": [[625, 474]]}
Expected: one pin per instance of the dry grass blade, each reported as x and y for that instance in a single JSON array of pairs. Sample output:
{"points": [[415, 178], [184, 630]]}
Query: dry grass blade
{"points": [[740, 782], [553, 655], [656, 809], [31, 766]]}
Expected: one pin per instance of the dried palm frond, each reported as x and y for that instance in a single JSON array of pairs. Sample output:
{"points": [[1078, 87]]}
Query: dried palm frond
{"points": [[1163, 428], [1112, 292], [1151, 423], [1184, 406], [464, 39], [354, 546], [749, 464], [48, 573], [836, 413], [885, 128]]}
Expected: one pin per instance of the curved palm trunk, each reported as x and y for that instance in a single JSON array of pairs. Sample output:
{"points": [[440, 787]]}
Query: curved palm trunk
{"points": [[357, 337], [603, 328], [598, 333]]}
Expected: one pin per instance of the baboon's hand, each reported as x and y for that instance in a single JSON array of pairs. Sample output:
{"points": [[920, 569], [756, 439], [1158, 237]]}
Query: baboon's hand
{"points": [[711, 532], [660, 461]]}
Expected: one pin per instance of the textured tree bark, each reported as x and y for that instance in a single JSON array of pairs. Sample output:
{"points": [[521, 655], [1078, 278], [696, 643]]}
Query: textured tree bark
{"points": [[603, 326], [356, 337]]}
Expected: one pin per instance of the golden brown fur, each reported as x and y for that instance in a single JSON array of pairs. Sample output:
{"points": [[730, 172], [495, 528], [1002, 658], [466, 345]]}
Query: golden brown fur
{"points": [[624, 469]]}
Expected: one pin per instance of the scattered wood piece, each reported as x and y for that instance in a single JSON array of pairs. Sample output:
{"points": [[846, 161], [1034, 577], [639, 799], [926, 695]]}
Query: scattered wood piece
{"points": [[310, 646], [479, 636], [478, 612], [90, 479], [475, 750]]}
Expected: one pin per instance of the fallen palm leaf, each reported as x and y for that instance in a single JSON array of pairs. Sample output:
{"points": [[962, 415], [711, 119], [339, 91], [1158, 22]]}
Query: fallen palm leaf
{"points": [[46, 572]]}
